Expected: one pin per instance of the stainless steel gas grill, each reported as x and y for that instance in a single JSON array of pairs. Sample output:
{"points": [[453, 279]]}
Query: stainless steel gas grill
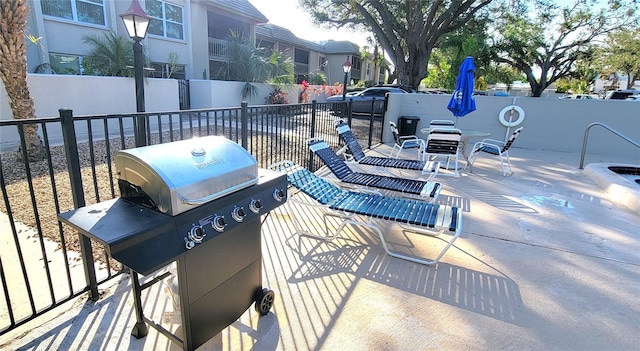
{"points": [[197, 202]]}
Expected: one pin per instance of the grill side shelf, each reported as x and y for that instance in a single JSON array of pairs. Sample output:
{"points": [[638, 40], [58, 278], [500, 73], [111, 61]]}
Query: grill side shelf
{"points": [[133, 235]]}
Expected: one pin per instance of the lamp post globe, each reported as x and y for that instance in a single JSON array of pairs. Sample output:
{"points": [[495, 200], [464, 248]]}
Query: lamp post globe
{"points": [[346, 68], [136, 21]]}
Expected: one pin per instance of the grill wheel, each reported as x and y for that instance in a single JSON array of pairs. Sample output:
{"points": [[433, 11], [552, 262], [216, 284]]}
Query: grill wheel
{"points": [[265, 301]]}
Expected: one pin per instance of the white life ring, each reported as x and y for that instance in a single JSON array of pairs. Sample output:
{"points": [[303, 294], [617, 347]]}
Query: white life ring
{"points": [[507, 110]]}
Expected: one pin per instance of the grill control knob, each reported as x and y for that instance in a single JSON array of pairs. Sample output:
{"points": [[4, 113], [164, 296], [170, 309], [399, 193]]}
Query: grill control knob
{"points": [[189, 244], [279, 195], [218, 223], [196, 234], [238, 214], [255, 206]]}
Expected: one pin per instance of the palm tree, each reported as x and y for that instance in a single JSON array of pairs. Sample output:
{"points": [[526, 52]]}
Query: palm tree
{"points": [[13, 71], [281, 68], [246, 64], [111, 55]]}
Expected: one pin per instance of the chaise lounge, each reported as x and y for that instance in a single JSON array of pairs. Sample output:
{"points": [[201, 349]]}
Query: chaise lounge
{"points": [[407, 187], [412, 215], [355, 150]]}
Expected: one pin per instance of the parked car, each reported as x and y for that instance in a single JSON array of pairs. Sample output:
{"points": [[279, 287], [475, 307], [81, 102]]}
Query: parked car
{"points": [[578, 97], [406, 88], [435, 91], [622, 94], [362, 100]]}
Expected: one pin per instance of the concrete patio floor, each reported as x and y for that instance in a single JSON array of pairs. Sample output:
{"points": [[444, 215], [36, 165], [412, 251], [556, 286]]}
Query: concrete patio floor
{"points": [[545, 262]]}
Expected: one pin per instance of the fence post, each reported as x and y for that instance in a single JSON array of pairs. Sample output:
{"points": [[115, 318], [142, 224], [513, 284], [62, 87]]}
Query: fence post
{"points": [[371, 119], [244, 120], [75, 178], [314, 108]]}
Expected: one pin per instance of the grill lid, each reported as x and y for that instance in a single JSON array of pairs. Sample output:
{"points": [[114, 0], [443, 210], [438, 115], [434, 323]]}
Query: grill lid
{"points": [[182, 175]]}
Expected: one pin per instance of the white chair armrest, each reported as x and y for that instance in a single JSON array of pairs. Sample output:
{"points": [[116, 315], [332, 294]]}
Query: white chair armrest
{"points": [[417, 140], [483, 143], [408, 137], [492, 141]]}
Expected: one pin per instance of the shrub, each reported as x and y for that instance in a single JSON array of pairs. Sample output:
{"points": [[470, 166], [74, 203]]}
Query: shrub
{"points": [[277, 97]]}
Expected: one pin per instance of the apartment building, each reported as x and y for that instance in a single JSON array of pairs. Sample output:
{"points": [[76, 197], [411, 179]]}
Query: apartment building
{"points": [[186, 38]]}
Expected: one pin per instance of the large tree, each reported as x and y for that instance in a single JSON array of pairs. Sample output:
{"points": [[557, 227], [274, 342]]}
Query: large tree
{"points": [[407, 30], [545, 41], [13, 71], [452, 49], [621, 53]]}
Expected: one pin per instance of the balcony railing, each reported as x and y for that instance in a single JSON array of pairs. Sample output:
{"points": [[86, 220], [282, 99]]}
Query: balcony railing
{"points": [[218, 50]]}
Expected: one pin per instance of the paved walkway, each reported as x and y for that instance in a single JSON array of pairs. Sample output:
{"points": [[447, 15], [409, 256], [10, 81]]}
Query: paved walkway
{"points": [[545, 262]]}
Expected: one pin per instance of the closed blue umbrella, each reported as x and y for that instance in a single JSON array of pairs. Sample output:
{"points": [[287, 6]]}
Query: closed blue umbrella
{"points": [[462, 101]]}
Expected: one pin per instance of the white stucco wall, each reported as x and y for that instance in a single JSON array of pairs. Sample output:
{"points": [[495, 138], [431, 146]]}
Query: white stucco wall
{"points": [[549, 124], [88, 95], [91, 95], [207, 94], [552, 124]]}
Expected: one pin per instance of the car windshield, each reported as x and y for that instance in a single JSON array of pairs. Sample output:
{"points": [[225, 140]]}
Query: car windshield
{"points": [[375, 92]]}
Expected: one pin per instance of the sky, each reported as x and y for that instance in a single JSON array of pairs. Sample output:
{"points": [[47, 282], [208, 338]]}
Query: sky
{"points": [[288, 14]]}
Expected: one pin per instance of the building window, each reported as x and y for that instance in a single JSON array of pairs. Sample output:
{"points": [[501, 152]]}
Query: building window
{"points": [[301, 63], [86, 11], [301, 56], [167, 19], [266, 46], [322, 62], [65, 64], [356, 63]]}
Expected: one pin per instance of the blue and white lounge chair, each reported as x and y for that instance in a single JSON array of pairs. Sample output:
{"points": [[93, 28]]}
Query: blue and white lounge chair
{"points": [[424, 189], [351, 143], [412, 215]]}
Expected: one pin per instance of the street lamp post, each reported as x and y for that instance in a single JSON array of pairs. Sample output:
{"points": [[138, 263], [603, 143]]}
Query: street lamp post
{"points": [[136, 20], [346, 68]]}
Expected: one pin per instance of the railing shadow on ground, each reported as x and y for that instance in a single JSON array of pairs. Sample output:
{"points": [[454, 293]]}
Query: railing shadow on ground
{"points": [[100, 315], [491, 295], [323, 276]]}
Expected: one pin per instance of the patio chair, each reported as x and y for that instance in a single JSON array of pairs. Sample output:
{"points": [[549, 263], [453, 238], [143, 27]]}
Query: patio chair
{"points": [[357, 154], [423, 189], [405, 142], [495, 147], [442, 123], [412, 215], [444, 143]]}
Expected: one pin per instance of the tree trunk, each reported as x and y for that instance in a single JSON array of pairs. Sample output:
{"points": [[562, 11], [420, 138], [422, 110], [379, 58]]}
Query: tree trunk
{"points": [[537, 91], [13, 71], [412, 71]]}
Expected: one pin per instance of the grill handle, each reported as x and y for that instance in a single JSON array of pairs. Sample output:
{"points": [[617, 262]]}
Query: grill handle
{"points": [[208, 198]]}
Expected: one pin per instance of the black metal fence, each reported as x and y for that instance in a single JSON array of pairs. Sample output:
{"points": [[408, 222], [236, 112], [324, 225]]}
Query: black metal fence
{"points": [[44, 264]]}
